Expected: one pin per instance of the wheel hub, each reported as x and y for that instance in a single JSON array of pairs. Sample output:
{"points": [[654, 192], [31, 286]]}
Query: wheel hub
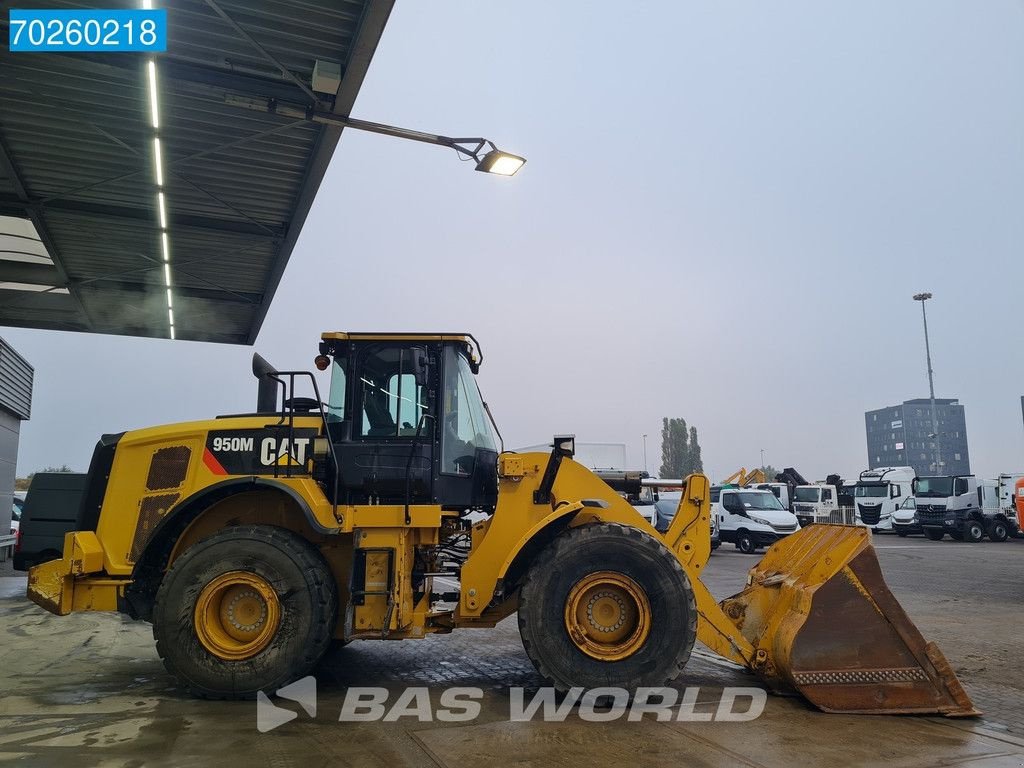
{"points": [[237, 615], [608, 616]]}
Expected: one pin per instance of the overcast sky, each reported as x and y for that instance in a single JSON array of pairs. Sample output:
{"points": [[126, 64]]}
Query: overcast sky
{"points": [[725, 211]]}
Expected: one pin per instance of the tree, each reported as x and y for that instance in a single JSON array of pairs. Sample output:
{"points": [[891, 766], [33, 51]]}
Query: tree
{"points": [[694, 462], [770, 472], [680, 451], [22, 483], [674, 447]]}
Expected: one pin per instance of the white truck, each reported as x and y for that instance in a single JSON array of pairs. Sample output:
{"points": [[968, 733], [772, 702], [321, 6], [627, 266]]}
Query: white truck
{"points": [[966, 508], [818, 503], [879, 493], [1008, 500]]}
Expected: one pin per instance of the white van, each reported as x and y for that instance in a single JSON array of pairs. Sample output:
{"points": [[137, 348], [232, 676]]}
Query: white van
{"points": [[751, 518]]}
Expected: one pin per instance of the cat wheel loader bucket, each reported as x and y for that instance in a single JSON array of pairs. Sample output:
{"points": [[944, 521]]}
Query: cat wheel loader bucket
{"points": [[822, 622]]}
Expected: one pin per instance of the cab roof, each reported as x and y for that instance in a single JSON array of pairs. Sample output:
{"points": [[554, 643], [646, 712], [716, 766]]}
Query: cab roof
{"points": [[472, 346], [397, 336]]}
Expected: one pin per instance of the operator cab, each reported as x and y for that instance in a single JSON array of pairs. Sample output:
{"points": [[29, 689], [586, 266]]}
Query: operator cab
{"points": [[407, 421]]}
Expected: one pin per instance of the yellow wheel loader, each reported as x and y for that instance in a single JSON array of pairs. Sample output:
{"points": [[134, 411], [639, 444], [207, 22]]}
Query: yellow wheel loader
{"points": [[251, 541]]}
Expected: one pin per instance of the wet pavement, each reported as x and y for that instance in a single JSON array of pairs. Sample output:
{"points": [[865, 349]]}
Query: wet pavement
{"points": [[88, 689]]}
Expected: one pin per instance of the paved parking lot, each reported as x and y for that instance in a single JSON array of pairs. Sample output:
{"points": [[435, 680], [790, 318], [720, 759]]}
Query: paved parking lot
{"points": [[88, 689]]}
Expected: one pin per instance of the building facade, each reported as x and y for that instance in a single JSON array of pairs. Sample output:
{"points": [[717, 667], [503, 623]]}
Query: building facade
{"points": [[901, 436], [15, 407]]}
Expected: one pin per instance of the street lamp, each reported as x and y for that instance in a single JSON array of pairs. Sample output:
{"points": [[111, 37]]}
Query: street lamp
{"points": [[923, 297], [645, 450], [501, 163], [489, 159]]}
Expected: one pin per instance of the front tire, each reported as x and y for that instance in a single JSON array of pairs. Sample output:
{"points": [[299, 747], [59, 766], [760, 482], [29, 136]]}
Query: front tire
{"points": [[607, 605], [745, 543], [934, 534], [901, 533], [250, 609]]}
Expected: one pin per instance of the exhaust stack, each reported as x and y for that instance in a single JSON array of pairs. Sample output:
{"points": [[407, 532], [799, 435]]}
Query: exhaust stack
{"points": [[266, 396]]}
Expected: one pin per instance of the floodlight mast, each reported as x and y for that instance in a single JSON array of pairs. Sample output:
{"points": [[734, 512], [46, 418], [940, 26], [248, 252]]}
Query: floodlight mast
{"points": [[923, 297]]}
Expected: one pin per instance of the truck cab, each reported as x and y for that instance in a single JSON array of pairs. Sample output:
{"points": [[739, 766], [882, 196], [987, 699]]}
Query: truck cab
{"points": [[816, 503], [751, 518], [629, 485], [1010, 487], [1019, 501], [966, 508], [781, 491], [879, 493]]}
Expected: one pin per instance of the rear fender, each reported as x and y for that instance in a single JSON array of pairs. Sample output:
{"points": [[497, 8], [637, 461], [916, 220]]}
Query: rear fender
{"points": [[163, 544]]}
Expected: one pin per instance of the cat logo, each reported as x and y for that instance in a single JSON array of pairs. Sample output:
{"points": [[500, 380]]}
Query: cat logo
{"points": [[282, 452], [265, 451]]}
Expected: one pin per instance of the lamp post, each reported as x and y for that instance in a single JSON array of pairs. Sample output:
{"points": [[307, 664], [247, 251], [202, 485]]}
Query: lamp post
{"points": [[487, 156], [645, 453], [923, 297], [762, 458]]}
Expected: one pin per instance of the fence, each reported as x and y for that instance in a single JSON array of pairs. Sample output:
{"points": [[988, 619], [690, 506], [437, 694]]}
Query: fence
{"points": [[7, 546], [842, 516]]}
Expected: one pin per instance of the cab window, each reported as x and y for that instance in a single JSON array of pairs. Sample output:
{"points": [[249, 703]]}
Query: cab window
{"points": [[392, 395], [336, 397], [466, 425]]}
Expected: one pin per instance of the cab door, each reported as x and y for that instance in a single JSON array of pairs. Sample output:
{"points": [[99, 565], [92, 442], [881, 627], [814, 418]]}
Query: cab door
{"points": [[728, 521], [385, 438]]}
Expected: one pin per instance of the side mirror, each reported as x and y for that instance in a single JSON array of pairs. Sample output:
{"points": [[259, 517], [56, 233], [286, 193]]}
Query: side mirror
{"points": [[420, 366]]}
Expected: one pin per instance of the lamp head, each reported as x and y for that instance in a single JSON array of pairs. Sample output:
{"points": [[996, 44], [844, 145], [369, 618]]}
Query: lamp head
{"points": [[501, 163]]}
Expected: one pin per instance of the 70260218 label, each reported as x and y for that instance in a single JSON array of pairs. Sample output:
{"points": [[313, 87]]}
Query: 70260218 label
{"points": [[82, 31]]}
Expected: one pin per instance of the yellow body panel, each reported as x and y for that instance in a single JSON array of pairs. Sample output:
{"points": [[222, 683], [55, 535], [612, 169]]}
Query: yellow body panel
{"points": [[130, 502], [62, 586]]}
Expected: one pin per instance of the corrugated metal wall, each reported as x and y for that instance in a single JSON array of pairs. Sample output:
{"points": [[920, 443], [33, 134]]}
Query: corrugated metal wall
{"points": [[15, 382], [15, 406]]}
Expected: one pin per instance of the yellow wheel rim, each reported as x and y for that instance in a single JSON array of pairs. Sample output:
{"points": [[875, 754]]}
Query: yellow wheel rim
{"points": [[608, 616], [237, 615]]}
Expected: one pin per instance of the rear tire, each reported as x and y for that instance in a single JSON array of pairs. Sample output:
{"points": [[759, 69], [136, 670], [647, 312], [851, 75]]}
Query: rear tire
{"points": [[299, 603], [973, 532], [745, 543], [997, 531], [934, 534], [648, 652]]}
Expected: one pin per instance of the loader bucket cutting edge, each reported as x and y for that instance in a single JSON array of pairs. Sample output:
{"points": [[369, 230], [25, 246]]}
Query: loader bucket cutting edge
{"points": [[823, 622]]}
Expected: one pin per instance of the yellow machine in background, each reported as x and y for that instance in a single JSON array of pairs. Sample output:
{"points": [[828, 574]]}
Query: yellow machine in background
{"points": [[742, 477], [251, 541]]}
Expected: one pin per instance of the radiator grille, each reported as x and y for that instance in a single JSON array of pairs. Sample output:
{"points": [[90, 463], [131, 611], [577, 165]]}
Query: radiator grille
{"points": [[168, 468], [151, 512], [870, 515], [931, 516]]}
